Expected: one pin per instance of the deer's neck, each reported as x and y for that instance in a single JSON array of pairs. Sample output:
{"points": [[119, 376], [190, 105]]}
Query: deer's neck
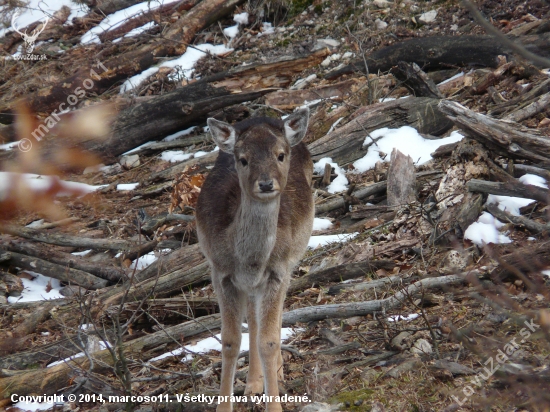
{"points": [[256, 232]]}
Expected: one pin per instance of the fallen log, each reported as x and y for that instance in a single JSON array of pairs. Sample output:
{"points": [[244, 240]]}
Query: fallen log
{"points": [[347, 310], [505, 217], [372, 284], [110, 273], [520, 170], [537, 106], [51, 380], [338, 273], [119, 67], [515, 189], [441, 52], [345, 144], [67, 240], [506, 138], [63, 273]]}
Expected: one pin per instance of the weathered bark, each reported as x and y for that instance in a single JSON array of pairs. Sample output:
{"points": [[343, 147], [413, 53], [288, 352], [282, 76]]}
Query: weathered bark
{"points": [[361, 193], [67, 240], [414, 79], [345, 144], [537, 106], [337, 273], [346, 310], [63, 273], [521, 101], [530, 225], [508, 138], [441, 52], [516, 189], [401, 179], [174, 42], [290, 99], [372, 284], [111, 273]]}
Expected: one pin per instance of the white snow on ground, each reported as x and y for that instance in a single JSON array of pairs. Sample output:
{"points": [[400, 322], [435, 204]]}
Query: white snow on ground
{"points": [[186, 62], [546, 272], [102, 346], [200, 153], [513, 204], [83, 253], [321, 224], [35, 289], [9, 146], [315, 241], [398, 318], [450, 79], [120, 17], [136, 31], [174, 136], [33, 406], [337, 185], [175, 156], [407, 140], [485, 230], [139, 147], [35, 224], [127, 186], [38, 183], [231, 31], [267, 28], [208, 344], [241, 18], [143, 261], [40, 9]]}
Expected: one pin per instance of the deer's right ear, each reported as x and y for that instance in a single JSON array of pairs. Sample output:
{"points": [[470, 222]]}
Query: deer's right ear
{"points": [[223, 134]]}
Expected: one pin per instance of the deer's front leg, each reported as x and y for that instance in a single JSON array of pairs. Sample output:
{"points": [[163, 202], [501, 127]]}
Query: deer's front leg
{"points": [[255, 378], [271, 307], [232, 307]]}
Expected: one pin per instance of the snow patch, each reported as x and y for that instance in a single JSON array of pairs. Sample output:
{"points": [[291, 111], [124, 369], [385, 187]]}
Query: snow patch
{"points": [[175, 156], [485, 230], [407, 140], [340, 183], [40, 288], [316, 241], [514, 204], [321, 224]]}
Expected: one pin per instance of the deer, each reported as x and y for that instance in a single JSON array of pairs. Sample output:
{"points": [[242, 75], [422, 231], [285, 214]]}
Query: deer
{"points": [[254, 218], [29, 39]]}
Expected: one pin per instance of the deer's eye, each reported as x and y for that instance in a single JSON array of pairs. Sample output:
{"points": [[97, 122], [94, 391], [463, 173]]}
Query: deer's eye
{"points": [[243, 161], [281, 157]]}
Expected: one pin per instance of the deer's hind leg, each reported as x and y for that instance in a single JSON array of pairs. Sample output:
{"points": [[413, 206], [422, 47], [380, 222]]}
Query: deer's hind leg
{"points": [[255, 379], [232, 307]]}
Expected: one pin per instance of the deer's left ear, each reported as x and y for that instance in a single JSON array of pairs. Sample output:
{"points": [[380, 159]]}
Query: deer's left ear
{"points": [[296, 126], [223, 134]]}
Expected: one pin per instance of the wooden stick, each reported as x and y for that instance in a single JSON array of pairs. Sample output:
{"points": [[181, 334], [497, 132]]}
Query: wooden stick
{"points": [[516, 189], [529, 224], [67, 240]]}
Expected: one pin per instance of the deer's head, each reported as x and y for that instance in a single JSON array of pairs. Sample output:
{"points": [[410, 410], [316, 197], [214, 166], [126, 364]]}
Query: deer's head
{"points": [[29, 39], [261, 151]]}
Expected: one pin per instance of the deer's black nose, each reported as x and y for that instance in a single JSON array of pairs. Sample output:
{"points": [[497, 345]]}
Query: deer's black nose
{"points": [[266, 185]]}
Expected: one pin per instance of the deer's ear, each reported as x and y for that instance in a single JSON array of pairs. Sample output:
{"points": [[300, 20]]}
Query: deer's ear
{"points": [[296, 126], [223, 134]]}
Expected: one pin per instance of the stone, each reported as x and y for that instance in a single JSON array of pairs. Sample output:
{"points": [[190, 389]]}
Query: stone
{"points": [[323, 43], [382, 4], [320, 407], [380, 25], [428, 17], [130, 161], [422, 346]]}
